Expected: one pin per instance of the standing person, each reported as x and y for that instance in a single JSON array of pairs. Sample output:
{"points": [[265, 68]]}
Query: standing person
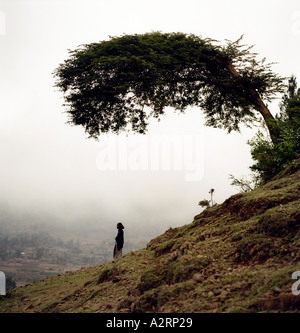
{"points": [[119, 242]]}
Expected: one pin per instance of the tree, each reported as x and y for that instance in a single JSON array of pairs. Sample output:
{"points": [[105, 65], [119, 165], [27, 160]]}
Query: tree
{"points": [[211, 196], [270, 158], [126, 80], [208, 203]]}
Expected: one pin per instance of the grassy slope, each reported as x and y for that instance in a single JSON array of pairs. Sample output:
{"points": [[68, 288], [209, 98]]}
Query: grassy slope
{"points": [[235, 257]]}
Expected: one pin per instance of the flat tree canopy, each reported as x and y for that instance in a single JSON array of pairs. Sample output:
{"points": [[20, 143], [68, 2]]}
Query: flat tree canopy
{"points": [[119, 84]]}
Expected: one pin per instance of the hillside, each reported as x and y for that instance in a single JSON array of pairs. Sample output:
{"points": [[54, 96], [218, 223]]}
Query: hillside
{"points": [[234, 257]]}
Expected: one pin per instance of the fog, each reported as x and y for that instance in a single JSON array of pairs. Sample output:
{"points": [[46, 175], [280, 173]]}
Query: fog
{"points": [[52, 174]]}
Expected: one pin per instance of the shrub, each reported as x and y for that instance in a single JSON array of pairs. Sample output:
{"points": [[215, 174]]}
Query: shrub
{"points": [[270, 158]]}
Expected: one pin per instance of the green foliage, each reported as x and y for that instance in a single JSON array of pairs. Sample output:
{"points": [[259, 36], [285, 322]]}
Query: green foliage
{"points": [[271, 158], [122, 82], [204, 203]]}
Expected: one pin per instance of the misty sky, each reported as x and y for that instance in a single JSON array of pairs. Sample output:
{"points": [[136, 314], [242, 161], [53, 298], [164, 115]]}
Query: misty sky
{"points": [[49, 168]]}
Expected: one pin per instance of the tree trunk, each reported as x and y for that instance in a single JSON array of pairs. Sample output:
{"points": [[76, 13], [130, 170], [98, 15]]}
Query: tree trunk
{"points": [[255, 100]]}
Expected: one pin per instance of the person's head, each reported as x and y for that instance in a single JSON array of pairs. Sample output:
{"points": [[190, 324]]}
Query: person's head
{"points": [[120, 225]]}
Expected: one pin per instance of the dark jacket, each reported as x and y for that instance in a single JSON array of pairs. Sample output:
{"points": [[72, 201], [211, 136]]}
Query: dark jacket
{"points": [[120, 239]]}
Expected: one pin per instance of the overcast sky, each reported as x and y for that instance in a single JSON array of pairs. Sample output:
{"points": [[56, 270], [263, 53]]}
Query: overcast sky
{"points": [[50, 168]]}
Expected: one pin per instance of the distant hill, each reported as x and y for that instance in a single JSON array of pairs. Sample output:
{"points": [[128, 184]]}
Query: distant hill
{"points": [[235, 257]]}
